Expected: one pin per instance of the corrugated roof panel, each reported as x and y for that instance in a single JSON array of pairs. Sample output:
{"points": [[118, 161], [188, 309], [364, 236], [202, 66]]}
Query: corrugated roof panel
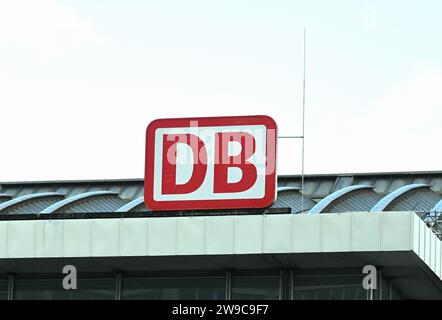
{"points": [[133, 206], [316, 187], [96, 201], [322, 206], [360, 200], [421, 199], [292, 199], [106, 203], [387, 201], [30, 203]]}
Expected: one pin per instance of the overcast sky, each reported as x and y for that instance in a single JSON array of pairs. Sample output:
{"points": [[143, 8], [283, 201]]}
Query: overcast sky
{"points": [[81, 80]]}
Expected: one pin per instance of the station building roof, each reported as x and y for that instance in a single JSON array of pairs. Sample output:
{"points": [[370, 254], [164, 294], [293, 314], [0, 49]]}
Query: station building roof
{"points": [[375, 192], [337, 221]]}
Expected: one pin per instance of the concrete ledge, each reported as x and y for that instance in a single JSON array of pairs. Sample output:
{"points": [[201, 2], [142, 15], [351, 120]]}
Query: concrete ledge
{"points": [[226, 235]]}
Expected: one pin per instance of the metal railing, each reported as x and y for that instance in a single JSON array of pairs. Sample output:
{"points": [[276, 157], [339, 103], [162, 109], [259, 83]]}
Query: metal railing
{"points": [[433, 219]]}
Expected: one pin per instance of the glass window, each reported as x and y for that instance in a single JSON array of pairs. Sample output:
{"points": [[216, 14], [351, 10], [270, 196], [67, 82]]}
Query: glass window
{"points": [[207, 288], [255, 287], [395, 294], [3, 289], [52, 289], [330, 287]]}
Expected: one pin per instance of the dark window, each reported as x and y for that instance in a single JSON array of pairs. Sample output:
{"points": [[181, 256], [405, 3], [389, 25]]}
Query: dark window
{"points": [[3, 289], [207, 288], [395, 294], [52, 289], [255, 287], [329, 287]]}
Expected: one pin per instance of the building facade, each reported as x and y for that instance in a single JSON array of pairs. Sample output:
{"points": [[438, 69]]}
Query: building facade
{"points": [[311, 244]]}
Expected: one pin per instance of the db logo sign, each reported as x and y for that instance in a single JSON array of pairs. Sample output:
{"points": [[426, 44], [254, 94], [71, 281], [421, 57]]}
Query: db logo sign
{"points": [[210, 163]]}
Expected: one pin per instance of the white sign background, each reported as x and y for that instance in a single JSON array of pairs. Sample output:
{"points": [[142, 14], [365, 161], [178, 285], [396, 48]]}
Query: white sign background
{"points": [[184, 166]]}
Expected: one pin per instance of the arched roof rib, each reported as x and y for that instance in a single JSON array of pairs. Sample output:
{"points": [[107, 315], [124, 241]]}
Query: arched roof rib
{"points": [[322, 205], [30, 203], [412, 197], [95, 201], [130, 206], [282, 189], [89, 199]]}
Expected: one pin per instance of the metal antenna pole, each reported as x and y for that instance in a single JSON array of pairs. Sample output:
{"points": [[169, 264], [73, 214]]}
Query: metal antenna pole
{"points": [[303, 127]]}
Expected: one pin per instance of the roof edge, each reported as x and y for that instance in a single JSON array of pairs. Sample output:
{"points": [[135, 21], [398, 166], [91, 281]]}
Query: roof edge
{"points": [[282, 176]]}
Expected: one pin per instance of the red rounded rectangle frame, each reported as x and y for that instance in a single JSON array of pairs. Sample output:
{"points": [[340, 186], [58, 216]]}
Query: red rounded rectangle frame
{"points": [[205, 204]]}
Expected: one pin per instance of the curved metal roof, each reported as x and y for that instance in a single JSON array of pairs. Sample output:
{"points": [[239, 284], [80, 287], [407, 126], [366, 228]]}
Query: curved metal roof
{"points": [[412, 197], [437, 207], [291, 197], [389, 199], [322, 205], [282, 189], [407, 191], [30, 203], [131, 206], [84, 202], [288, 197], [4, 197], [322, 193]]}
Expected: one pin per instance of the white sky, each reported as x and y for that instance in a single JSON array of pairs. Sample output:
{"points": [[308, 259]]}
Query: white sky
{"points": [[81, 80]]}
